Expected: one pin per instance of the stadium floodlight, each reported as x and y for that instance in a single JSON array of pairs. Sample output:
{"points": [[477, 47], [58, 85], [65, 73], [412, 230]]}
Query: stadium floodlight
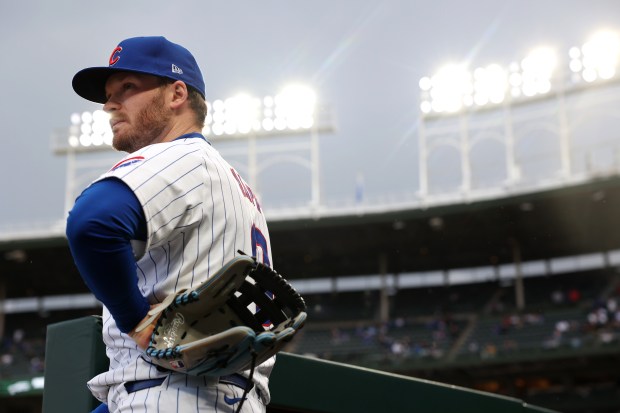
{"points": [[598, 58], [289, 111], [294, 106], [515, 80], [537, 70], [235, 115], [454, 88], [449, 90], [89, 130], [426, 84], [490, 84]]}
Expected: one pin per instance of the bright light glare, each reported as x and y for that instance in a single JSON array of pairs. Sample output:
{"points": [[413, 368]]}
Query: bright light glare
{"points": [[490, 84], [601, 54], [85, 140], [107, 137], [574, 53], [295, 106], [453, 88], [87, 117], [267, 124], [93, 129], [243, 114], [240, 113], [97, 139], [575, 65], [537, 71], [426, 106], [425, 83], [449, 86], [100, 116]]}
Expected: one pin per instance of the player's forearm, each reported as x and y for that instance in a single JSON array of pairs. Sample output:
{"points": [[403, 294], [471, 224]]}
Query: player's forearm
{"points": [[107, 267]]}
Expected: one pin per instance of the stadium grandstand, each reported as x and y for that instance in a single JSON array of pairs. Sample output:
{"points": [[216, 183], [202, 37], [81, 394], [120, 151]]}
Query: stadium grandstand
{"points": [[512, 289]]}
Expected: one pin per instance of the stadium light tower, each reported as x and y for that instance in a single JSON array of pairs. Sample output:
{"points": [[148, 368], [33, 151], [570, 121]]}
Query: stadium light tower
{"points": [[293, 111], [458, 102], [455, 91], [455, 88]]}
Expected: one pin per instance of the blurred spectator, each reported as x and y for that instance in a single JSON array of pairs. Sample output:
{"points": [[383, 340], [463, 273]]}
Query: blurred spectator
{"points": [[337, 337], [488, 351], [401, 348], [36, 365], [533, 318], [557, 297], [510, 346], [473, 347], [612, 305], [562, 326], [574, 296], [6, 360]]}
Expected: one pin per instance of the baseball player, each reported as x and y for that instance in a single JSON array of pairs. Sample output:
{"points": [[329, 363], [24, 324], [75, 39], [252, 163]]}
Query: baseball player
{"points": [[165, 218]]}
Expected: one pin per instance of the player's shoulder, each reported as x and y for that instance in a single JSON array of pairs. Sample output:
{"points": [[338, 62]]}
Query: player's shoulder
{"points": [[175, 147], [158, 154]]}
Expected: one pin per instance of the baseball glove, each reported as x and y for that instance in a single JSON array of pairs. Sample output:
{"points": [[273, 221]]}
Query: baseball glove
{"points": [[237, 319]]}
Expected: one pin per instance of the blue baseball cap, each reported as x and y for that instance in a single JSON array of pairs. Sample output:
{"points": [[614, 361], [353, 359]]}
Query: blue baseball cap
{"points": [[149, 55]]}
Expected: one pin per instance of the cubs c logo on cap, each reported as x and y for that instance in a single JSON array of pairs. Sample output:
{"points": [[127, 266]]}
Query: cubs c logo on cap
{"points": [[115, 55]]}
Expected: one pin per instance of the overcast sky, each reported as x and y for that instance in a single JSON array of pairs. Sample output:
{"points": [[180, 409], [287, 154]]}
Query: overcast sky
{"points": [[363, 57]]}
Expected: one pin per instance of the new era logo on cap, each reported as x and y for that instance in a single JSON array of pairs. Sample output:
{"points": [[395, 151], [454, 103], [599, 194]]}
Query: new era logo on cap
{"points": [[148, 55]]}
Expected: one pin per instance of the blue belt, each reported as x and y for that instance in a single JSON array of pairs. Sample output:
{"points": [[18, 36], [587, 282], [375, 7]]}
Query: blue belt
{"points": [[234, 379]]}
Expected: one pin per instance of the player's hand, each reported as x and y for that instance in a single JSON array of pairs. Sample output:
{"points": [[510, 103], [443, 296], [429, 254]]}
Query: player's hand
{"points": [[143, 337]]}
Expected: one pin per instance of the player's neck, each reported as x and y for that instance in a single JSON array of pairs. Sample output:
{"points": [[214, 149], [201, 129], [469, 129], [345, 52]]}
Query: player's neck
{"points": [[180, 129]]}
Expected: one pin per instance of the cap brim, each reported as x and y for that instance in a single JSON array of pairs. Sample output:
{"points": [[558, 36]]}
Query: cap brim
{"points": [[90, 83]]}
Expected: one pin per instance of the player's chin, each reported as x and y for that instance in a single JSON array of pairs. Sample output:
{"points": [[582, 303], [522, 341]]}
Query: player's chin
{"points": [[122, 143]]}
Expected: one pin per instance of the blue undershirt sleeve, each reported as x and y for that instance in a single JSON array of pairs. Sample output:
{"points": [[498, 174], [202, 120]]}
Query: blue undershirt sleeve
{"points": [[100, 227]]}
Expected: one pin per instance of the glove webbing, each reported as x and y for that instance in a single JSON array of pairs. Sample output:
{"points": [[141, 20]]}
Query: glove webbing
{"points": [[287, 298], [252, 294], [274, 311]]}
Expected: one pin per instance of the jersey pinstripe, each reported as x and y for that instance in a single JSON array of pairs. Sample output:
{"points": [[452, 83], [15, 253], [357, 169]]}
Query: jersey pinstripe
{"points": [[199, 213]]}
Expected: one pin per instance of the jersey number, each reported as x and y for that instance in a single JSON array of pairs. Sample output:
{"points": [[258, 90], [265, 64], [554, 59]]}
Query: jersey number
{"points": [[259, 246]]}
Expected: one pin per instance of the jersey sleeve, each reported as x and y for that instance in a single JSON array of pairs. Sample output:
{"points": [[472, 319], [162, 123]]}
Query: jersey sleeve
{"points": [[104, 220]]}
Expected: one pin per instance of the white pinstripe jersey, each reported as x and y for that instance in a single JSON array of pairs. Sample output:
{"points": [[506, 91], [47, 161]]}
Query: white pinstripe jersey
{"points": [[199, 213]]}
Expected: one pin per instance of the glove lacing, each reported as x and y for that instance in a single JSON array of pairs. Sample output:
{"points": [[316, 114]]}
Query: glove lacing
{"points": [[248, 386]]}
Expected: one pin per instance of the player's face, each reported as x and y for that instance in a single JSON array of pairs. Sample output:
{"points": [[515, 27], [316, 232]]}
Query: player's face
{"points": [[138, 112]]}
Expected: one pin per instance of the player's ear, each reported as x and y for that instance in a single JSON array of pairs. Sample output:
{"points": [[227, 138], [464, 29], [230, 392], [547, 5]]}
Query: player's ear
{"points": [[180, 94]]}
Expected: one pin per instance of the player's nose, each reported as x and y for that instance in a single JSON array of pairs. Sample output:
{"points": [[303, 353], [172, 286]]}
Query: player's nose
{"points": [[110, 105]]}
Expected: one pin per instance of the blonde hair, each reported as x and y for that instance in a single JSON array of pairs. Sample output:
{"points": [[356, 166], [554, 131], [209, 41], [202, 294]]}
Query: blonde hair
{"points": [[196, 101]]}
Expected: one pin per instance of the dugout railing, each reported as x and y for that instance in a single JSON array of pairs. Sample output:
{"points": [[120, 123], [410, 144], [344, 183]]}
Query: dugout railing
{"points": [[75, 353]]}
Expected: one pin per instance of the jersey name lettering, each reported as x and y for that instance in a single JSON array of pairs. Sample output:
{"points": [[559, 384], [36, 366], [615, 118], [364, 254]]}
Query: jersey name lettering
{"points": [[246, 190]]}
